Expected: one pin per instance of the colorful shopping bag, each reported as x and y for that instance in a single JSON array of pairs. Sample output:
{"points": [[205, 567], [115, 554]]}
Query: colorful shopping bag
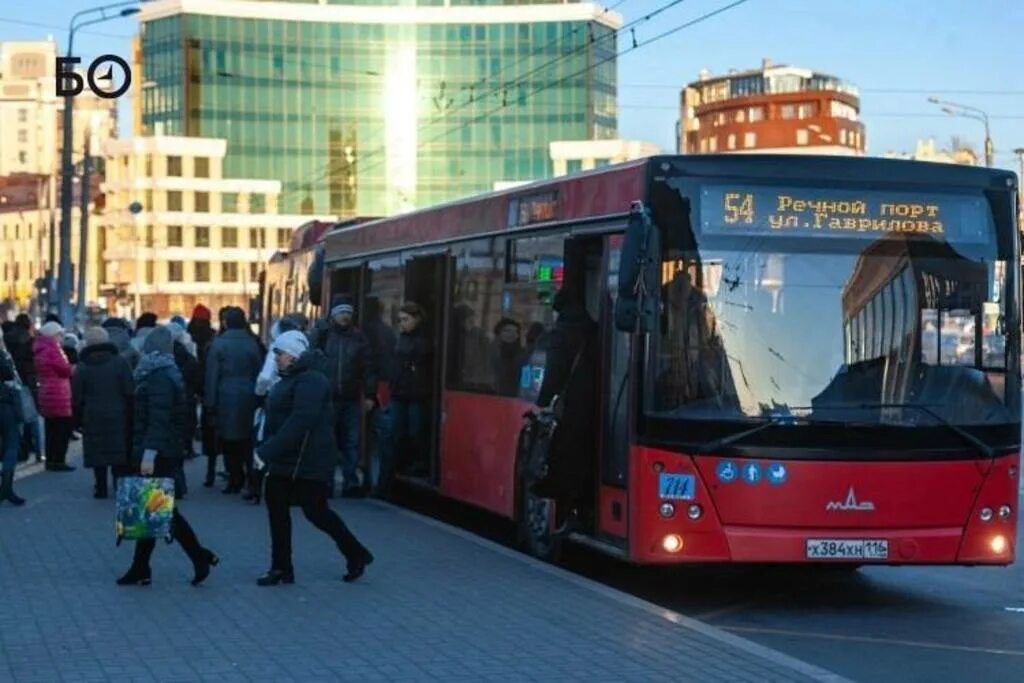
{"points": [[145, 508]]}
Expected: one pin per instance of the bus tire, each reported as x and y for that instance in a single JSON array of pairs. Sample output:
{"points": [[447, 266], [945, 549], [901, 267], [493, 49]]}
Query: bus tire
{"points": [[536, 526]]}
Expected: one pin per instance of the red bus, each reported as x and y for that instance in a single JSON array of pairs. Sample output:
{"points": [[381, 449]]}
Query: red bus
{"points": [[801, 359]]}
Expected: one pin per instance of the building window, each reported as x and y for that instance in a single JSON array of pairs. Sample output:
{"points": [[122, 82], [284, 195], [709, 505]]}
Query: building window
{"points": [[801, 136], [174, 236], [22, 157], [149, 166], [23, 116], [174, 167], [22, 136], [203, 202], [703, 145], [202, 271], [229, 202], [202, 236], [807, 110], [175, 271], [284, 237], [741, 116], [150, 272], [257, 203], [713, 143], [842, 136], [254, 272], [749, 139], [787, 111], [732, 141], [257, 238], [719, 119], [229, 272], [229, 237], [755, 114], [30, 230], [202, 167], [149, 236], [174, 200]]}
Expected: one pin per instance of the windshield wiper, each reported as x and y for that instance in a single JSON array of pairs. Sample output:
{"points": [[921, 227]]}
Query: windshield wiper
{"points": [[715, 444], [989, 451]]}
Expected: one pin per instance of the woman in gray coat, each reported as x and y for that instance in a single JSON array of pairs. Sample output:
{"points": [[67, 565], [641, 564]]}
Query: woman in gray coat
{"points": [[232, 365], [102, 391]]}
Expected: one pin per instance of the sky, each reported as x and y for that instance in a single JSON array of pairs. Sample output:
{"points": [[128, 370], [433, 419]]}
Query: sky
{"points": [[898, 52]]}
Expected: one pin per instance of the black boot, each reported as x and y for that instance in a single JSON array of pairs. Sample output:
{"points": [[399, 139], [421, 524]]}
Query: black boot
{"points": [[139, 574], [7, 489], [357, 566], [211, 470], [276, 576], [202, 564], [99, 489]]}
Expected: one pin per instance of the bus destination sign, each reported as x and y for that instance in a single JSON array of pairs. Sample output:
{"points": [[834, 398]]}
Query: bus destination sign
{"points": [[809, 212]]}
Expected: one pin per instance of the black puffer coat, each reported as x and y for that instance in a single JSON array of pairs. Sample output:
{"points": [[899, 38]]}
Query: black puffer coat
{"points": [[413, 366], [160, 407], [102, 391], [19, 344], [232, 366], [351, 367], [300, 423]]}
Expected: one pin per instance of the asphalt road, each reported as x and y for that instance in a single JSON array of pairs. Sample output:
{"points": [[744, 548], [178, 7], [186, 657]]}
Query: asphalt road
{"points": [[905, 624]]}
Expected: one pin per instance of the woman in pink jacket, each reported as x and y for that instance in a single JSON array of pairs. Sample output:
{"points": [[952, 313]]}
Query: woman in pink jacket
{"points": [[54, 372]]}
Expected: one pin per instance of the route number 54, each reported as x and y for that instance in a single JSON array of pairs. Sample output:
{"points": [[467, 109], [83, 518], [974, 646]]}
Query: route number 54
{"points": [[739, 207]]}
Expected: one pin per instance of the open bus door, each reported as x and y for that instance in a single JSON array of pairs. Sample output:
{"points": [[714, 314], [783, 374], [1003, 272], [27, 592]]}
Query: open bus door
{"points": [[427, 282]]}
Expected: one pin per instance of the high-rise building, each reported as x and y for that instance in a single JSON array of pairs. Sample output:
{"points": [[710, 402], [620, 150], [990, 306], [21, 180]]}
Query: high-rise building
{"points": [[371, 107], [927, 150], [200, 237], [776, 108], [31, 113]]}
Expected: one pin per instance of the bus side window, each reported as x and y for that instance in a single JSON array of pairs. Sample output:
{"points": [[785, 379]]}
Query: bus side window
{"points": [[476, 309]]}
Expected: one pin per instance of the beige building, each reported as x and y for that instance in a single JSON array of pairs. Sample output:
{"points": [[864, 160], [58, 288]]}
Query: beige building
{"points": [[199, 237], [25, 222], [927, 150], [570, 156], [31, 113]]}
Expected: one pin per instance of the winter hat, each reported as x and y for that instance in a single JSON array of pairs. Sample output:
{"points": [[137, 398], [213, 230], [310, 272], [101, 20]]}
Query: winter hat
{"points": [[111, 323], [51, 329], [178, 320], [145, 320], [342, 303], [159, 340], [201, 312], [94, 336], [70, 340], [292, 342], [234, 318], [177, 330]]}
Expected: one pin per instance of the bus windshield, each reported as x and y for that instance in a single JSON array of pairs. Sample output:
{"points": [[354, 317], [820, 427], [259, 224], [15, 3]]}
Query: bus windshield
{"points": [[763, 316]]}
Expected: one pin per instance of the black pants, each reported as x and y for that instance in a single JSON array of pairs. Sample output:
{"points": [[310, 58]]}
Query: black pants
{"points": [[238, 458], [311, 496], [100, 475], [180, 528], [58, 436]]}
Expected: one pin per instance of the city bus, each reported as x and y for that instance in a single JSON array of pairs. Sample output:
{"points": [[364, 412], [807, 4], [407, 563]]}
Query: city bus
{"points": [[799, 359]]}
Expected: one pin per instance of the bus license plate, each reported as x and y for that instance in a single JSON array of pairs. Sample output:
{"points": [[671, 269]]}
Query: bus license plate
{"points": [[847, 549]]}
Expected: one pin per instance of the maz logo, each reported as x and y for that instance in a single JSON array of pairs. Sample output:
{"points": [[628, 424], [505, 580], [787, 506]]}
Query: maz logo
{"points": [[850, 504]]}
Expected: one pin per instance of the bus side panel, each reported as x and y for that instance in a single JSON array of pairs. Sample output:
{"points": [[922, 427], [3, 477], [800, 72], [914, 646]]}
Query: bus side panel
{"points": [[478, 449]]}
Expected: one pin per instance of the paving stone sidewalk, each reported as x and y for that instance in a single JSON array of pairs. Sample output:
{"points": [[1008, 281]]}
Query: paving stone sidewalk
{"points": [[436, 605]]}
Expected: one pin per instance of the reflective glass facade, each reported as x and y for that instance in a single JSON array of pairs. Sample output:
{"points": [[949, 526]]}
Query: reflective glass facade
{"points": [[372, 119]]}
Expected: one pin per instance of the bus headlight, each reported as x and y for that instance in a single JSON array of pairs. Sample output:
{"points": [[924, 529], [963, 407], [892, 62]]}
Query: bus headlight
{"points": [[1004, 512], [694, 512], [985, 515], [667, 510], [672, 543], [998, 544]]}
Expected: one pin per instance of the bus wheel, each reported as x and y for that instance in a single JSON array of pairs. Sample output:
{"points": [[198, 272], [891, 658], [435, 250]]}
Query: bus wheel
{"points": [[536, 527]]}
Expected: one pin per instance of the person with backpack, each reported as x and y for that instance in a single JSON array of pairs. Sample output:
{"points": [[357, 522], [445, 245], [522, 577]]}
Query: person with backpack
{"points": [[352, 373], [299, 457]]}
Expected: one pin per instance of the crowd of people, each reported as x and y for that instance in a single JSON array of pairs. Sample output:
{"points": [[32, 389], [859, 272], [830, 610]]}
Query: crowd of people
{"points": [[144, 396]]}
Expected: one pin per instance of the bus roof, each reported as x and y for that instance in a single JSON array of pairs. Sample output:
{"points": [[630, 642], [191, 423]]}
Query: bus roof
{"points": [[609, 192]]}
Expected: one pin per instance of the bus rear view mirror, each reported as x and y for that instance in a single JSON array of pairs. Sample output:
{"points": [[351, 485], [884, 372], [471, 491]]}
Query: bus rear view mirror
{"points": [[635, 307]]}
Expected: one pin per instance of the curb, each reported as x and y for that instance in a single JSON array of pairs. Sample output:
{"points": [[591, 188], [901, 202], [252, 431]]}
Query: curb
{"points": [[750, 647]]}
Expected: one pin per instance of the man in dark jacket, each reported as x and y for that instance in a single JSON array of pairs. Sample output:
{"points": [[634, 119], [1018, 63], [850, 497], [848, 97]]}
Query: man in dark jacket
{"points": [[571, 365], [232, 365], [18, 340], [159, 415], [102, 391], [353, 376], [299, 456], [410, 394]]}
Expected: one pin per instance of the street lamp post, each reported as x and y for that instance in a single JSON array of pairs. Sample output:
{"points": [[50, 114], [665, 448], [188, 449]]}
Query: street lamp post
{"points": [[957, 109], [79, 20]]}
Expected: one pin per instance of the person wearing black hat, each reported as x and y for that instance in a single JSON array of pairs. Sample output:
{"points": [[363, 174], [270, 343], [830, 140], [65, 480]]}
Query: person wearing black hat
{"points": [[352, 372], [232, 366], [159, 424], [571, 362]]}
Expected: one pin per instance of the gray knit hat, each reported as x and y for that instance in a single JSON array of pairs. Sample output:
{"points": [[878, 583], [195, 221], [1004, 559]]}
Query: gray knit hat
{"points": [[159, 339]]}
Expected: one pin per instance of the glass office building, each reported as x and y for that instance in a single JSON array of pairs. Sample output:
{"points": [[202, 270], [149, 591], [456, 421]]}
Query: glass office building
{"points": [[381, 106]]}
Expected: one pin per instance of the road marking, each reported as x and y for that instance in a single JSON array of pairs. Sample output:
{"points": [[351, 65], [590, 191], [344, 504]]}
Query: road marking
{"points": [[869, 639], [713, 632]]}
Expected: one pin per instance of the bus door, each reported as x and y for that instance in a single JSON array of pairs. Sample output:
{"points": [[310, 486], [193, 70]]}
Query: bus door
{"points": [[427, 282]]}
